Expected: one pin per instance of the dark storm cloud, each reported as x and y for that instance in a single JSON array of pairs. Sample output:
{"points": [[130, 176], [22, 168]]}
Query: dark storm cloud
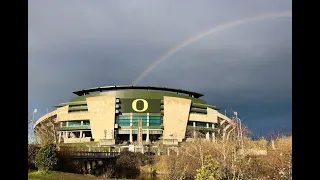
{"points": [[81, 44]]}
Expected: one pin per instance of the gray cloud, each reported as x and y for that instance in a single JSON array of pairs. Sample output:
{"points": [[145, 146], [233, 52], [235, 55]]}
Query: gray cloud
{"points": [[81, 44]]}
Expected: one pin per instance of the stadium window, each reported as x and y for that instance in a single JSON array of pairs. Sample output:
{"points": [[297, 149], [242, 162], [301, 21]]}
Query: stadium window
{"points": [[190, 123], [63, 124], [86, 123], [74, 123], [201, 124]]}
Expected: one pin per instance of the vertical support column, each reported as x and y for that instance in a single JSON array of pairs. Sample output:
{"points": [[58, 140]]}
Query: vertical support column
{"points": [[130, 136], [194, 132], [207, 125], [207, 136], [81, 134], [60, 134], [89, 167], [213, 137], [83, 167], [93, 167], [148, 120], [67, 124], [81, 123], [147, 137]]}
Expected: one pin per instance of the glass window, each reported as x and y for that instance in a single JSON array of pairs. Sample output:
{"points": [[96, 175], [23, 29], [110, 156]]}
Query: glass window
{"points": [[64, 124], [86, 134], [123, 121], [155, 121], [190, 123], [86, 123], [135, 120], [74, 123], [201, 124]]}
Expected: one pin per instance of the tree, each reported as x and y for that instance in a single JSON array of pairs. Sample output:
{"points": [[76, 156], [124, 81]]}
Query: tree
{"points": [[46, 131], [31, 137], [46, 158], [209, 171], [33, 149]]}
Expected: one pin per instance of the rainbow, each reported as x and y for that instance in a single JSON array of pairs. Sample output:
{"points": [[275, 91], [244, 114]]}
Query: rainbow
{"points": [[202, 34]]}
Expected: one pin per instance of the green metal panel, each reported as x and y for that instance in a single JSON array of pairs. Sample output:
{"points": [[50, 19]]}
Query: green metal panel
{"points": [[78, 107], [204, 106], [198, 110], [73, 128], [134, 105], [149, 88], [200, 128], [132, 93]]}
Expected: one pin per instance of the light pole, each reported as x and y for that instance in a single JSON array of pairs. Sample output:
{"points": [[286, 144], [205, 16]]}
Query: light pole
{"points": [[32, 123], [34, 111]]}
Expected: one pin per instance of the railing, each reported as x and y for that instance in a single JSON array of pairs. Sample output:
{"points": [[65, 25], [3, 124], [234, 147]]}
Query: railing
{"points": [[79, 154]]}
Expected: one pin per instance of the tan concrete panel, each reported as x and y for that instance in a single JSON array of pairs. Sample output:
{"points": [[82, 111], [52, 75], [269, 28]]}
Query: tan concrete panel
{"points": [[212, 115], [176, 115], [198, 117], [62, 112], [224, 117], [102, 116], [74, 116], [52, 113]]}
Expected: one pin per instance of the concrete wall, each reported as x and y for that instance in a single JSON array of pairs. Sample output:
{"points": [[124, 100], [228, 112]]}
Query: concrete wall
{"points": [[211, 116], [176, 115], [102, 116]]}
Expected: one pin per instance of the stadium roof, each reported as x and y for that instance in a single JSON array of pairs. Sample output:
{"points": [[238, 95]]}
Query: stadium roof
{"points": [[113, 88]]}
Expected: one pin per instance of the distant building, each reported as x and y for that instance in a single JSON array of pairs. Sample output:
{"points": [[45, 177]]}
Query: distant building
{"points": [[111, 114]]}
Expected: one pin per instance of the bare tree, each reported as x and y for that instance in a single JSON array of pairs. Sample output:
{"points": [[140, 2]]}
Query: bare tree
{"points": [[46, 131], [31, 137]]}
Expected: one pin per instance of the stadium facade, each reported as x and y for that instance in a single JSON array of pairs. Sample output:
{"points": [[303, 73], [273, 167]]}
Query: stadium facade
{"points": [[112, 113]]}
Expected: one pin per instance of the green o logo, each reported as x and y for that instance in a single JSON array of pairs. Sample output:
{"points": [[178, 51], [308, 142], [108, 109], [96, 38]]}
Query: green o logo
{"points": [[145, 105]]}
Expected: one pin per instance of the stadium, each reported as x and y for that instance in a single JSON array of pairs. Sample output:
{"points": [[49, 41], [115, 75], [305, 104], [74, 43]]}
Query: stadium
{"points": [[117, 114]]}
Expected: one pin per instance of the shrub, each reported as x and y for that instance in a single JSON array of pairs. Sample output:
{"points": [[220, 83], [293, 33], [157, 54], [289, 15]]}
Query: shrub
{"points": [[209, 171], [132, 161], [46, 159], [32, 151]]}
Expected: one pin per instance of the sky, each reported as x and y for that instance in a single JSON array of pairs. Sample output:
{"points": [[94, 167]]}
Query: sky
{"points": [[78, 44]]}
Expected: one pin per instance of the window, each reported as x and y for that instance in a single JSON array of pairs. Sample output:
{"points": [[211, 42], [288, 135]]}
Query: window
{"points": [[74, 123], [201, 124], [155, 121], [135, 120], [190, 123], [64, 124], [123, 121], [86, 134], [86, 123]]}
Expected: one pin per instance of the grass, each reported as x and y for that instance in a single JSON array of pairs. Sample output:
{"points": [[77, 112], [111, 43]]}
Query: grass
{"points": [[56, 175]]}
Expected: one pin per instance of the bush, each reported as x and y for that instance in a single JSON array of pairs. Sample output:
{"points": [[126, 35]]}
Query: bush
{"points": [[132, 161], [32, 151], [209, 171], [46, 159]]}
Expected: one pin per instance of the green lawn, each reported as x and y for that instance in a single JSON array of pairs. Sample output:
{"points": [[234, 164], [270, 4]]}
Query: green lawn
{"points": [[55, 175]]}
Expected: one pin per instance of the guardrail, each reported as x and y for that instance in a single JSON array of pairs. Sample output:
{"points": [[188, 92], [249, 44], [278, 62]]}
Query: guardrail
{"points": [[85, 155]]}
